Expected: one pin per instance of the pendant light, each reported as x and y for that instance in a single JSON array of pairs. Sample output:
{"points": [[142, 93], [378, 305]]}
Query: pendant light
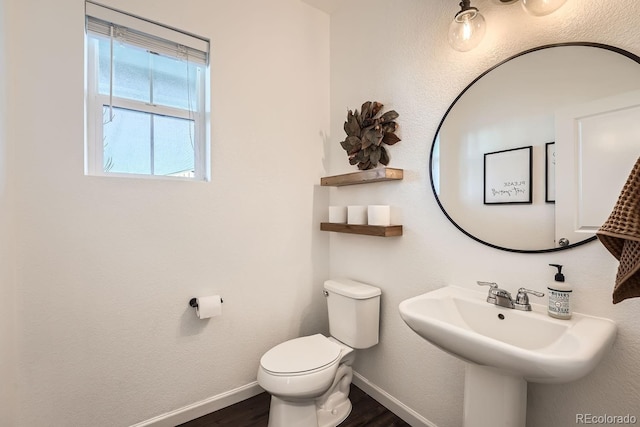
{"points": [[467, 28], [541, 7]]}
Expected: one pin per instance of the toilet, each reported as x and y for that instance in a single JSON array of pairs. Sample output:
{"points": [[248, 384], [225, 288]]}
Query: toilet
{"points": [[309, 377]]}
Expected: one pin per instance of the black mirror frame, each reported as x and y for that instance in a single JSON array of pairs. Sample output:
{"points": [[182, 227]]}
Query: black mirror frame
{"points": [[623, 52]]}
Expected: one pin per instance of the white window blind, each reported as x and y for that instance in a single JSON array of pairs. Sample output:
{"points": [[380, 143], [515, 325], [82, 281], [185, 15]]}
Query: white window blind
{"points": [[147, 98], [145, 34]]}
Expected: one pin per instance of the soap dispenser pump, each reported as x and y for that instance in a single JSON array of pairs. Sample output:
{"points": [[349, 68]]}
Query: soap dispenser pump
{"points": [[559, 296]]}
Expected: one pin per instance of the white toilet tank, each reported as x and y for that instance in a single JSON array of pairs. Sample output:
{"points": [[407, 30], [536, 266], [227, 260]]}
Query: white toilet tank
{"points": [[354, 312]]}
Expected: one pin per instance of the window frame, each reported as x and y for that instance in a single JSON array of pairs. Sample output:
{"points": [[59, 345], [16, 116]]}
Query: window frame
{"points": [[95, 102]]}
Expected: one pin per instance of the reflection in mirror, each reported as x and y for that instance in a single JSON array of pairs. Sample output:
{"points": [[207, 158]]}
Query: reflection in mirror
{"points": [[543, 98]]}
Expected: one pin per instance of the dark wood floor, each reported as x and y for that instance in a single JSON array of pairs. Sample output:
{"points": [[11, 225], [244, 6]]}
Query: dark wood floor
{"points": [[254, 412]]}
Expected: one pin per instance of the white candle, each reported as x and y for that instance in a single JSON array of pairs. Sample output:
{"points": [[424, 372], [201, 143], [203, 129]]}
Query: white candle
{"points": [[379, 215], [338, 214], [357, 215]]}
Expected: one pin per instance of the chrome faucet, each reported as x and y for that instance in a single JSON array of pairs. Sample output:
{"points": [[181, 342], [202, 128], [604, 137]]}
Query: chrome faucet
{"points": [[502, 298]]}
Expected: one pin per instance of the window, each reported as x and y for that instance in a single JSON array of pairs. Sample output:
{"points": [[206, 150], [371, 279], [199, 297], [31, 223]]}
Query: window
{"points": [[146, 98]]}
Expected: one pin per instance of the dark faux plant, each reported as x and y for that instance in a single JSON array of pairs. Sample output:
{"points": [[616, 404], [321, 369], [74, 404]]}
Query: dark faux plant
{"points": [[366, 134]]}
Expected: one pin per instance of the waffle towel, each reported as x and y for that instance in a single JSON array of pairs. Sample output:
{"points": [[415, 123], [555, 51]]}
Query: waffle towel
{"points": [[620, 234]]}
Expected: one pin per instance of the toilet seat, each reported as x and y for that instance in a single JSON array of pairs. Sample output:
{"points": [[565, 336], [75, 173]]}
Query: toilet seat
{"points": [[301, 356]]}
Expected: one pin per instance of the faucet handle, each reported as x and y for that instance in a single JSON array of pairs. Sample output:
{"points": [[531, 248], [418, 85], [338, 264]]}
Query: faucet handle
{"points": [[491, 297], [492, 285], [522, 299]]}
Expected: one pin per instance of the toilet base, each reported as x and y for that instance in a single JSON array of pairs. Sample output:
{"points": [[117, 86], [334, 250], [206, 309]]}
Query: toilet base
{"points": [[329, 410], [334, 417], [283, 413], [334, 406], [304, 414]]}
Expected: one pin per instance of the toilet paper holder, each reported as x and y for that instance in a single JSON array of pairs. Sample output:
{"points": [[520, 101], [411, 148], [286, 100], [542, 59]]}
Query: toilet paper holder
{"points": [[193, 302]]}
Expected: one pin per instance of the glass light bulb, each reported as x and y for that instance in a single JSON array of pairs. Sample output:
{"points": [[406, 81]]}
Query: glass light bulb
{"points": [[467, 30], [542, 7]]}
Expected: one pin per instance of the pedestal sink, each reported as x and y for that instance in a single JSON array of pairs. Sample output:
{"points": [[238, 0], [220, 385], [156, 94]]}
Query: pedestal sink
{"points": [[504, 348]]}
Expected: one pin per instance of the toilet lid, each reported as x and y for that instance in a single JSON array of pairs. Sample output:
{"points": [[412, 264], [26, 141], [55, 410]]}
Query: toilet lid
{"points": [[300, 355]]}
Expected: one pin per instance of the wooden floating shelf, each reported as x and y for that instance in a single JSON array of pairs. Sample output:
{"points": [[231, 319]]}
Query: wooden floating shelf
{"points": [[363, 177], [367, 230]]}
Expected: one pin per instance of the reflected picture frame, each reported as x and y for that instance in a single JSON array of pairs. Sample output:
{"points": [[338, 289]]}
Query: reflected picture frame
{"points": [[550, 172], [508, 175]]}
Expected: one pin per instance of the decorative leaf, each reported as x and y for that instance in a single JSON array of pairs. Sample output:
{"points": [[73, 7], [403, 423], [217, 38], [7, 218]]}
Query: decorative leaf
{"points": [[358, 117], [353, 151], [390, 138], [351, 126], [353, 141], [364, 165], [366, 111], [379, 135], [373, 136], [374, 158], [390, 127], [366, 140], [384, 156], [389, 116], [375, 108], [355, 148]]}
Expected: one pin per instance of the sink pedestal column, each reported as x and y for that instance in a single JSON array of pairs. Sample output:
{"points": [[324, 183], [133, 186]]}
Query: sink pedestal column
{"points": [[493, 398]]}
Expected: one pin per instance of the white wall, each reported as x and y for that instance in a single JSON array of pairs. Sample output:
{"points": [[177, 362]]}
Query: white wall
{"points": [[7, 246], [397, 53], [106, 266]]}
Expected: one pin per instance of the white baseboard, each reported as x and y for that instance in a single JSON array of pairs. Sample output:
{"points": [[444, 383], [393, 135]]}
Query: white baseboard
{"points": [[391, 403], [203, 407], [222, 400]]}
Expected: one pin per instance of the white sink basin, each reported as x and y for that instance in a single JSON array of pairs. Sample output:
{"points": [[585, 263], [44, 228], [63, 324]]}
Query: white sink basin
{"points": [[530, 344]]}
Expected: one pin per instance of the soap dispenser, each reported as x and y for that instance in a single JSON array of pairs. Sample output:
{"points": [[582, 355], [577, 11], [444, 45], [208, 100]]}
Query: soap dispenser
{"points": [[559, 296]]}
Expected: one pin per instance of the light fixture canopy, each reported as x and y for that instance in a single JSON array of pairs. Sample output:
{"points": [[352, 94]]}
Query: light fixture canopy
{"points": [[541, 7], [467, 29]]}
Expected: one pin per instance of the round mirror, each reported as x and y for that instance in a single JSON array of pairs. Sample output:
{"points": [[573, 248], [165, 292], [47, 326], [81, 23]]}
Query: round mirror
{"points": [[508, 166]]}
